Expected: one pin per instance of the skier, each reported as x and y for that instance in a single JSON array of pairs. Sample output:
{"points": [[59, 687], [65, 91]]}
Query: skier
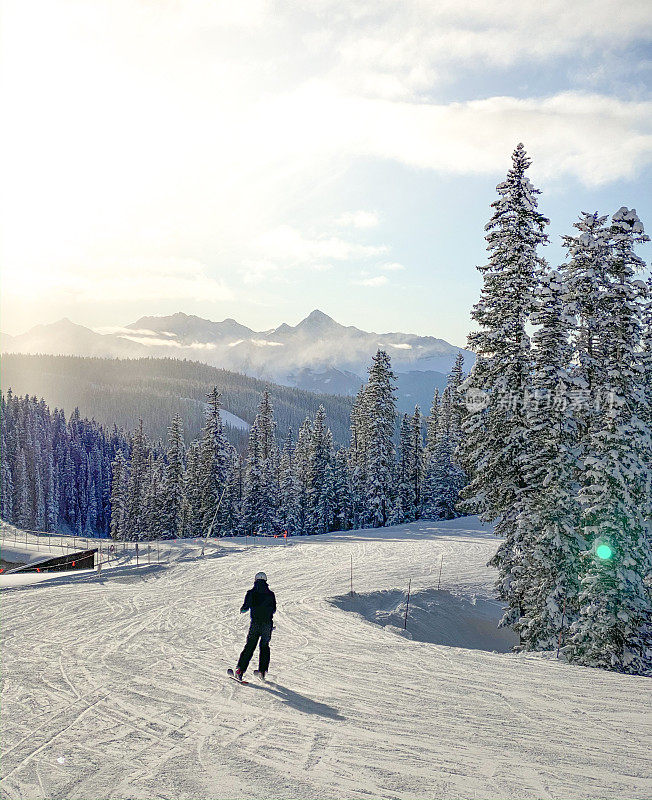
{"points": [[261, 602]]}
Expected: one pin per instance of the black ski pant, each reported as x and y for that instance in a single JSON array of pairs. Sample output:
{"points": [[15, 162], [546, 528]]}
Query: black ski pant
{"points": [[257, 630]]}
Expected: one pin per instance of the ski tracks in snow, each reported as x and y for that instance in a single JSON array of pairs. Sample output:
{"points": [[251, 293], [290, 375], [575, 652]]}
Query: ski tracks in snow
{"points": [[118, 689]]}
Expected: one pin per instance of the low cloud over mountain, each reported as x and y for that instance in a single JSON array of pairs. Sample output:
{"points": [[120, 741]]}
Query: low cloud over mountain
{"points": [[318, 354]]}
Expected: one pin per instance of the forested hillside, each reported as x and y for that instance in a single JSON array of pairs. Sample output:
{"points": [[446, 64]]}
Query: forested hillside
{"points": [[122, 391]]}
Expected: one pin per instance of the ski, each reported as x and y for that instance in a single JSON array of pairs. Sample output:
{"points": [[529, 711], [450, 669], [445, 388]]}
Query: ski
{"points": [[231, 675]]}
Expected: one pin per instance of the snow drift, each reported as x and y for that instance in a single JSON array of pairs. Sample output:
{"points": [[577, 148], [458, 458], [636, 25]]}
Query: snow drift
{"points": [[435, 616]]}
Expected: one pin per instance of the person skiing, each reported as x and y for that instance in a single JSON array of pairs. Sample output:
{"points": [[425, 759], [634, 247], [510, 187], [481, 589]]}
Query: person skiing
{"points": [[260, 601]]}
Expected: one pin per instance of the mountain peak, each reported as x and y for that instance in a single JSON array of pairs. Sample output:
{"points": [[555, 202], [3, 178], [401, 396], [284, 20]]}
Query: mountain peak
{"points": [[316, 314], [317, 320]]}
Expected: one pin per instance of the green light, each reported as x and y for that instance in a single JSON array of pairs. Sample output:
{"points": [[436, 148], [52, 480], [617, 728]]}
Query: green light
{"points": [[604, 552]]}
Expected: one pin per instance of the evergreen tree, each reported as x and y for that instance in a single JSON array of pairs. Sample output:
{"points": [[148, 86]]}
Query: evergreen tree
{"points": [[416, 464], [327, 505], [156, 510], [319, 458], [21, 492], [380, 418], [612, 630], [216, 461], [358, 457], [301, 471], [495, 438], [404, 504], [585, 278], [119, 489], [7, 499], [136, 486], [549, 517], [261, 499], [193, 491], [174, 482], [444, 476], [289, 489], [51, 498], [343, 519]]}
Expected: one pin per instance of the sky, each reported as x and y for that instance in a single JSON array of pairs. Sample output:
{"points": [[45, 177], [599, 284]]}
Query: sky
{"points": [[257, 160]]}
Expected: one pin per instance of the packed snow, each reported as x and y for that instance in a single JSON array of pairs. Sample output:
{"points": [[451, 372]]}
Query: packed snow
{"points": [[114, 686]]}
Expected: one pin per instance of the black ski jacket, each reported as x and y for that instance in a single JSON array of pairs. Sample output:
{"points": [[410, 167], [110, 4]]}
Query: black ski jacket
{"points": [[261, 602]]}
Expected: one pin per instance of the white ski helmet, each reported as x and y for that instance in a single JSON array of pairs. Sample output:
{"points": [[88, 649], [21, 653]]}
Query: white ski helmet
{"points": [[260, 576]]}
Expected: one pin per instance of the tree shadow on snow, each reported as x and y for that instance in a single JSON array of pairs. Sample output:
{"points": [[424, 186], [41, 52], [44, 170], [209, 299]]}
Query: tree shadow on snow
{"points": [[299, 701], [436, 616]]}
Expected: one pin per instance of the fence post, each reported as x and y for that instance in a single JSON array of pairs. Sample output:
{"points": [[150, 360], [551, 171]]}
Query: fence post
{"points": [[407, 605], [351, 575], [440, 566]]}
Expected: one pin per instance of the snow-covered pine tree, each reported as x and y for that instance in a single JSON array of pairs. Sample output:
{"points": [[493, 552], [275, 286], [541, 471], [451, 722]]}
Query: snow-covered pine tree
{"points": [[90, 524], [51, 498], [137, 466], [416, 467], [495, 437], [405, 500], [549, 535], [444, 477], [300, 468], [174, 481], [155, 507], [319, 458], [613, 627], [646, 409], [432, 434], [39, 498], [7, 491], [21, 492], [343, 520], [327, 504], [261, 475], [193, 491], [233, 496], [380, 420], [289, 489], [357, 457], [586, 280], [119, 488], [216, 460]]}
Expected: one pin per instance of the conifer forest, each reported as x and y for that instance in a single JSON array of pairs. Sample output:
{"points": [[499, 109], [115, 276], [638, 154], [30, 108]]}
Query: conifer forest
{"points": [[547, 437]]}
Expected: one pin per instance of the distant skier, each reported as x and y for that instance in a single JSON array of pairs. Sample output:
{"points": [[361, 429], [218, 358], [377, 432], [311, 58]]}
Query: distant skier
{"points": [[261, 602]]}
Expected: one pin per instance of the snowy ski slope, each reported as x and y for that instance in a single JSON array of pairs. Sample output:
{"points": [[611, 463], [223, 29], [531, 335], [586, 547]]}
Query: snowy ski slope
{"points": [[116, 688]]}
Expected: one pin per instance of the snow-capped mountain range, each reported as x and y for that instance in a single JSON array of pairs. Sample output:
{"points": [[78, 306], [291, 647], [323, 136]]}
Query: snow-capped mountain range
{"points": [[318, 354]]}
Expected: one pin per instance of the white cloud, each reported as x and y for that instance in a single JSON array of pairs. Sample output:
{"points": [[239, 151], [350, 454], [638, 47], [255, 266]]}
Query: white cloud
{"points": [[151, 341], [398, 50], [358, 219], [376, 280], [131, 331], [285, 248], [402, 346], [205, 126], [391, 266], [290, 246], [131, 279]]}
